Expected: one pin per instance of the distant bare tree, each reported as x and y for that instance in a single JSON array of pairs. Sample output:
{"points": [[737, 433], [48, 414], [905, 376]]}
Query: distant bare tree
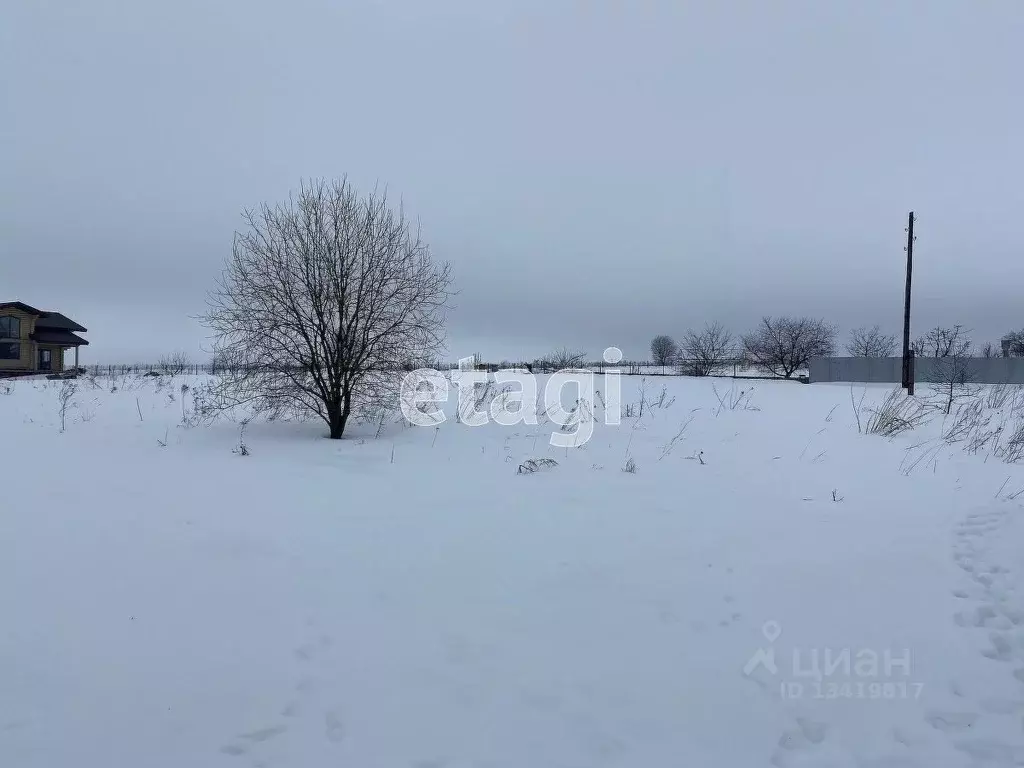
{"points": [[663, 350], [942, 342], [988, 350], [323, 300], [174, 364], [562, 359], [871, 342], [783, 345], [705, 351]]}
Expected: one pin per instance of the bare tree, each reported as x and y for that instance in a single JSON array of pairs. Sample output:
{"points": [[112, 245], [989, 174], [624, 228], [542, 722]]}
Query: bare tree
{"points": [[704, 351], [783, 345], [941, 342], [663, 350], [323, 300], [871, 342], [174, 364], [988, 350], [562, 359], [952, 370]]}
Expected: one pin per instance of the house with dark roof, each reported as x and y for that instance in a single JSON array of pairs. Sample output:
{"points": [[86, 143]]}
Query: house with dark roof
{"points": [[34, 341]]}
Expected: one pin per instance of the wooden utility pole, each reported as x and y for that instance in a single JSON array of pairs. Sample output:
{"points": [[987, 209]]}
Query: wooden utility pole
{"points": [[908, 366]]}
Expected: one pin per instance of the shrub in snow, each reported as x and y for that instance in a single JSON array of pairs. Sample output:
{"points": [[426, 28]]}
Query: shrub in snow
{"points": [[898, 413], [998, 395], [667, 448], [67, 390], [733, 400], [630, 466], [241, 449], [969, 420], [561, 360], [1012, 450], [533, 465]]}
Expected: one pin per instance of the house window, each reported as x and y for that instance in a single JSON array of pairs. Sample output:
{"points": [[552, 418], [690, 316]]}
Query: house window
{"points": [[10, 327], [10, 351]]}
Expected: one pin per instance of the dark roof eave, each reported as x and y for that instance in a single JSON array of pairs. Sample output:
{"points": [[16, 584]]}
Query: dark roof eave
{"points": [[61, 338], [58, 322]]}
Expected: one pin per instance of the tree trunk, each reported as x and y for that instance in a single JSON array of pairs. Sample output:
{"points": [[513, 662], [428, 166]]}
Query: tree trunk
{"points": [[346, 409], [336, 418]]}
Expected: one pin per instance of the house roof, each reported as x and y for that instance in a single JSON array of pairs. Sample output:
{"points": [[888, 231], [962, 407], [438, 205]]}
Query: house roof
{"points": [[21, 306], [64, 338], [57, 321], [46, 320]]}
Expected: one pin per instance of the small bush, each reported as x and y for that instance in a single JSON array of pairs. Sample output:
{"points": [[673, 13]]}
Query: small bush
{"points": [[535, 465], [1013, 449], [241, 449], [733, 400], [969, 419], [897, 414]]}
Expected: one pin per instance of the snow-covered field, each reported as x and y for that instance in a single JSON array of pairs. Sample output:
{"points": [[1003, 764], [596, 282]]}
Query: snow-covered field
{"points": [[771, 588]]}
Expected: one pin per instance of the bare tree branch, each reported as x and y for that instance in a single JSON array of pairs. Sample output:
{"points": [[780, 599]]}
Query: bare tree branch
{"points": [[942, 342], [871, 342]]}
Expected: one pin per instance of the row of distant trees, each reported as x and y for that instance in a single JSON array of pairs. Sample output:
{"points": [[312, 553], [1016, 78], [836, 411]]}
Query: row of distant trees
{"points": [[783, 345], [780, 346]]}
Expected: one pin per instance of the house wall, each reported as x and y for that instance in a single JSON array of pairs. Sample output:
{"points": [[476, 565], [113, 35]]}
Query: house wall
{"points": [[56, 357], [28, 347]]}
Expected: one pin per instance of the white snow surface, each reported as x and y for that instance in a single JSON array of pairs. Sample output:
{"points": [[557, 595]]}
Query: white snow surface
{"points": [[406, 600]]}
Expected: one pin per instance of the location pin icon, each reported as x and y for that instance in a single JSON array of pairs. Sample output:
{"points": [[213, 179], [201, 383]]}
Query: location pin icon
{"points": [[771, 630]]}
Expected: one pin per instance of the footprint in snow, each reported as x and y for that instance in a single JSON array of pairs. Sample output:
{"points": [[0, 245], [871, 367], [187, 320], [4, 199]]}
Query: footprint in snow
{"points": [[992, 751], [334, 729], [997, 706], [982, 616], [1001, 649], [253, 737], [806, 733], [951, 721]]}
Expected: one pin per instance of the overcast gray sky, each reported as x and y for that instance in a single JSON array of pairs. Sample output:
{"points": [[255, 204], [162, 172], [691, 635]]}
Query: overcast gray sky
{"points": [[597, 172]]}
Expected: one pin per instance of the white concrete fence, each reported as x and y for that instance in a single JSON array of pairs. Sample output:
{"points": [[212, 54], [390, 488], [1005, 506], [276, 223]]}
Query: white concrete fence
{"points": [[979, 370]]}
